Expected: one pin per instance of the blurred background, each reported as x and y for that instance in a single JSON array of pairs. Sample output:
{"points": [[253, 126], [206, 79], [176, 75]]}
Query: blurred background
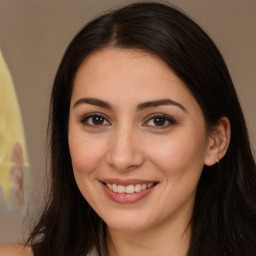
{"points": [[33, 38]]}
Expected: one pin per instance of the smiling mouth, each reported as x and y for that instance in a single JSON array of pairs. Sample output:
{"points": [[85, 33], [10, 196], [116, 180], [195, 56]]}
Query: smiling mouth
{"points": [[129, 189]]}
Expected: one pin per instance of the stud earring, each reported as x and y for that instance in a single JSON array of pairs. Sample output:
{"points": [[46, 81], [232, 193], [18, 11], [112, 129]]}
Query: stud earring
{"points": [[217, 160]]}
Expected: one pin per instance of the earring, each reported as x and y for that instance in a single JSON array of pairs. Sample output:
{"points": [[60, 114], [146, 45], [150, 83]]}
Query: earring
{"points": [[217, 160]]}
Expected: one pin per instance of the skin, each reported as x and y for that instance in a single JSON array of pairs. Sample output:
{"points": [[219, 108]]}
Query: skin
{"points": [[127, 142], [15, 250]]}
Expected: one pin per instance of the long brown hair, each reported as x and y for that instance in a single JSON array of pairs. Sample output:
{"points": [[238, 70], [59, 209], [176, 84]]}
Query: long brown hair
{"points": [[224, 216]]}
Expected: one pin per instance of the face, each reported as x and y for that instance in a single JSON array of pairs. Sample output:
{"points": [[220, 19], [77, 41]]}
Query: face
{"points": [[137, 139]]}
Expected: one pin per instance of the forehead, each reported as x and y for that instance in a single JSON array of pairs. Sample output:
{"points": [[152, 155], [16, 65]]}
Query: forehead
{"points": [[114, 62], [115, 73]]}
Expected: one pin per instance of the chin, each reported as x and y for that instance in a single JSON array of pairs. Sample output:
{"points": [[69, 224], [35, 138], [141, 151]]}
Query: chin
{"points": [[128, 222]]}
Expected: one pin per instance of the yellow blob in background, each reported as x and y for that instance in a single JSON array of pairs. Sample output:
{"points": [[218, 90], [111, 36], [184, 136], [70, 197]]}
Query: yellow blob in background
{"points": [[14, 165]]}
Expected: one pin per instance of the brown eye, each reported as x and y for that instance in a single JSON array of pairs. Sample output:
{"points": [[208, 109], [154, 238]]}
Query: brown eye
{"points": [[95, 120], [159, 121]]}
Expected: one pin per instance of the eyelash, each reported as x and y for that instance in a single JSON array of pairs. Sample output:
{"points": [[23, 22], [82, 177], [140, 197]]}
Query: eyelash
{"points": [[85, 119], [167, 119]]}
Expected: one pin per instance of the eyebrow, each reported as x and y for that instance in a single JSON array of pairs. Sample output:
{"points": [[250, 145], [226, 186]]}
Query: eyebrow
{"points": [[93, 101], [140, 107], [157, 103]]}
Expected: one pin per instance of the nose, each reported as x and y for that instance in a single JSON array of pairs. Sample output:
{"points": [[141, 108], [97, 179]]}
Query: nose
{"points": [[125, 152]]}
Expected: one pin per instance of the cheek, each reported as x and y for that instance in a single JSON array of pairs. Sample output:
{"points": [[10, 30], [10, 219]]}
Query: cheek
{"points": [[179, 155], [180, 161], [86, 154]]}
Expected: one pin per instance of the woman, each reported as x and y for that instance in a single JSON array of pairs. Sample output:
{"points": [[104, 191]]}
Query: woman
{"points": [[142, 157]]}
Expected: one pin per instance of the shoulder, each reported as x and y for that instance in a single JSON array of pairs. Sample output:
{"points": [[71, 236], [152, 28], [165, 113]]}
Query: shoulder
{"points": [[15, 250]]}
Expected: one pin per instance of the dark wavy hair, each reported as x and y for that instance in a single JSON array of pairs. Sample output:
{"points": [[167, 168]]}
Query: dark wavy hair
{"points": [[224, 216]]}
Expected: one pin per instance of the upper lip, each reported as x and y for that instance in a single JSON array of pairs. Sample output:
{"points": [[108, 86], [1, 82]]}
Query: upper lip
{"points": [[127, 181]]}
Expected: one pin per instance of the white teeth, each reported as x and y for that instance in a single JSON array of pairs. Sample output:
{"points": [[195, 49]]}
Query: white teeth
{"points": [[120, 189], [130, 189], [137, 187], [150, 185], [109, 186], [114, 187], [143, 186]]}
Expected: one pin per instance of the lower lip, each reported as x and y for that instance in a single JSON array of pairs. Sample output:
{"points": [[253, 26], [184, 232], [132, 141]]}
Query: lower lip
{"points": [[125, 197]]}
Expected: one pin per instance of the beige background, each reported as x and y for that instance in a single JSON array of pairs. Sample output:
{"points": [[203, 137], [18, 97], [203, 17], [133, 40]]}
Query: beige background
{"points": [[35, 33]]}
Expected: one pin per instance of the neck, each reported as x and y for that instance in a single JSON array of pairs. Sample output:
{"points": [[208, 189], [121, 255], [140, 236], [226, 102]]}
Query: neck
{"points": [[163, 240]]}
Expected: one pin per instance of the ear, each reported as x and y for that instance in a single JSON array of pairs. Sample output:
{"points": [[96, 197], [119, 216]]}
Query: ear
{"points": [[218, 142]]}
